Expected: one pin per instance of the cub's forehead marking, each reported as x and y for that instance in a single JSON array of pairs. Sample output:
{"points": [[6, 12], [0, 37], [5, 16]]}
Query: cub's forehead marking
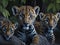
{"points": [[50, 16], [26, 10]]}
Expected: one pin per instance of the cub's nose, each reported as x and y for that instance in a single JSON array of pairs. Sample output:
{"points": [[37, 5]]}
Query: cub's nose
{"points": [[7, 36], [26, 26], [50, 27]]}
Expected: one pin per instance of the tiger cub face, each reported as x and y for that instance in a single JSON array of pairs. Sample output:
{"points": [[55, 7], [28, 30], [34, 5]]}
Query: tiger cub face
{"points": [[7, 28], [50, 20], [26, 14]]}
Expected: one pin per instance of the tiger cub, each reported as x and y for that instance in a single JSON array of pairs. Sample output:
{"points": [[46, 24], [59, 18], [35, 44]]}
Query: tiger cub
{"points": [[49, 22], [7, 28], [26, 16]]}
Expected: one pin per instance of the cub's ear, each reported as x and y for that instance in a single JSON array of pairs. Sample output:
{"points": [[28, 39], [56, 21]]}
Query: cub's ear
{"points": [[15, 10], [58, 15], [41, 15], [37, 9]]}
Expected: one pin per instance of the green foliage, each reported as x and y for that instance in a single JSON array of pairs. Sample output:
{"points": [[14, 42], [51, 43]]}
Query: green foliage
{"points": [[52, 5], [57, 7], [51, 8], [45, 1], [13, 19], [3, 10], [4, 3], [23, 1], [57, 1], [5, 13]]}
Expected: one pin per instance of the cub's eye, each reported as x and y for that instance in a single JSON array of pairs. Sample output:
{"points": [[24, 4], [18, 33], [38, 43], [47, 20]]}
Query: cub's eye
{"points": [[46, 20], [21, 16], [55, 21], [4, 29], [31, 16], [11, 30]]}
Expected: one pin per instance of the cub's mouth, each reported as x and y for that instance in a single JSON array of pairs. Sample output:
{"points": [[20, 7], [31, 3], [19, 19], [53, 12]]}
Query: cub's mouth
{"points": [[26, 26], [8, 37]]}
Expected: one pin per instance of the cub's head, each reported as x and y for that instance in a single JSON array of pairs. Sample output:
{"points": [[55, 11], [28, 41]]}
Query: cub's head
{"points": [[49, 20], [7, 28], [26, 14]]}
